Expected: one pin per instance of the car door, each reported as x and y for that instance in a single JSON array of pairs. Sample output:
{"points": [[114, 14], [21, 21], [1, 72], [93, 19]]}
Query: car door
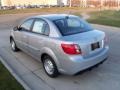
{"points": [[40, 32], [25, 29]]}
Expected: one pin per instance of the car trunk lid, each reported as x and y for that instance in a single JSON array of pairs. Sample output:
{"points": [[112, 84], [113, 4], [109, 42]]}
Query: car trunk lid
{"points": [[90, 42]]}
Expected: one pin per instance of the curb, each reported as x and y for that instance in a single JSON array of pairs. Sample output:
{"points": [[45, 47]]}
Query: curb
{"points": [[25, 86]]}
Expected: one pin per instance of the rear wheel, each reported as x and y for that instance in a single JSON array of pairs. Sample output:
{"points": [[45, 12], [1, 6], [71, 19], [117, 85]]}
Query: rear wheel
{"points": [[50, 66], [13, 45]]}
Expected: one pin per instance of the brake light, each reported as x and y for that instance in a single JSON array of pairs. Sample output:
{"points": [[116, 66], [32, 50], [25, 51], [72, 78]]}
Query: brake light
{"points": [[72, 49]]}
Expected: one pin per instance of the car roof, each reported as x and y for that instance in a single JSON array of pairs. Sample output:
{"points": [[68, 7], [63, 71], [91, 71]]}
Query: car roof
{"points": [[53, 17]]}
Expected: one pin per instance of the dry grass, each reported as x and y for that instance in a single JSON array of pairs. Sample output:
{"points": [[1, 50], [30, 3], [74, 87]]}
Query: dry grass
{"points": [[39, 10]]}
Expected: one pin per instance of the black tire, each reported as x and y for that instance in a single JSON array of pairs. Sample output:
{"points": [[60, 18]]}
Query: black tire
{"points": [[13, 45], [55, 72]]}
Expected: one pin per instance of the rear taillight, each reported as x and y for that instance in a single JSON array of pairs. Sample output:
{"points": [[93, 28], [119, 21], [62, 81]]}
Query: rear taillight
{"points": [[72, 49]]}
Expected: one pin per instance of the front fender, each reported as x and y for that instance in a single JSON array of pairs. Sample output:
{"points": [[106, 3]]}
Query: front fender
{"points": [[11, 34]]}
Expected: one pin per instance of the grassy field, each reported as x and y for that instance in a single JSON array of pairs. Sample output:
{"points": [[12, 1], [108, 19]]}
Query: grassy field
{"points": [[111, 18], [7, 82]]}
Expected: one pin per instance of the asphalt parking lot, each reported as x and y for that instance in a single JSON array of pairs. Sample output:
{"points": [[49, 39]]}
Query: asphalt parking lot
{"points": [[104, 77]]}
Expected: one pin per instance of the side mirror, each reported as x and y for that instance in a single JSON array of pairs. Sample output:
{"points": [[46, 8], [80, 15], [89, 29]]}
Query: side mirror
{"points": [[17, 28]]}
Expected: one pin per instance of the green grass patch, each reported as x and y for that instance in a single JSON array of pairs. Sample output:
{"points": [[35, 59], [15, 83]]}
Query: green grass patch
{"points": [[7, 82], [108, 17], [78, 14]]}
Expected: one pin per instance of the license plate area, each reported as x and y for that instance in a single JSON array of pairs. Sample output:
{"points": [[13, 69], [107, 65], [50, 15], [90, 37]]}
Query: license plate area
{"points": [[95, 46]]}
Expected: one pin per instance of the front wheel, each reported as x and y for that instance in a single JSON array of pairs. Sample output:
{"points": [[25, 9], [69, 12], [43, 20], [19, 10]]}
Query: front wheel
{"points": [[50, 66], [13, 46]]}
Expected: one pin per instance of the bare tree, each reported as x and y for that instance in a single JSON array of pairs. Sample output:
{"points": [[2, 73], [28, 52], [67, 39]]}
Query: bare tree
{"points": [[70, 2], [102, 2], [118, 3]]}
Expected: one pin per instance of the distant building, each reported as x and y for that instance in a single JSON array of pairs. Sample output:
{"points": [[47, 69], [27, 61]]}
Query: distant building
{"points": [[62, 2], [94, 3], [81, 3], [100, 3], [77, 2], [28, 2], [65, 2]]}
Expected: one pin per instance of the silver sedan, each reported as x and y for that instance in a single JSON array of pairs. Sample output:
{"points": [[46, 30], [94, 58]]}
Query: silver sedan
{"points": [[63, 43]]}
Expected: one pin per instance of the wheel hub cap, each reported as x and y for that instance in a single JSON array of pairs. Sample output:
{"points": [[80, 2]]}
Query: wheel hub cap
{"points": [[13, 45], [49, 66]]}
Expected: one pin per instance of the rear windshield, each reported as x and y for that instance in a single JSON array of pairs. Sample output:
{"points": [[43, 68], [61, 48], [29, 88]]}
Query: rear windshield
{"points": [[69, 26]]}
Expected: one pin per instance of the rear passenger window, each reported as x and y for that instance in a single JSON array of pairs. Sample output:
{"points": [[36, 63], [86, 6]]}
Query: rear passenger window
{"points": [[40, 26]]}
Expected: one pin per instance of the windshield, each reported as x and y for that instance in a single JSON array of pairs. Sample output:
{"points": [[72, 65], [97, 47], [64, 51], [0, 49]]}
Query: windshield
{"points": [[69, 26]]}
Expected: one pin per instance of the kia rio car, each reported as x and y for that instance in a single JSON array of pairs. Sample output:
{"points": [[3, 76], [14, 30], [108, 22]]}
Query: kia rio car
{"points": [[63, 43]]}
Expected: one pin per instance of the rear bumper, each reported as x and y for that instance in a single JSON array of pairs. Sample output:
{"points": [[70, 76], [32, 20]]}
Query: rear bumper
{"points": [[77, 64]]}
